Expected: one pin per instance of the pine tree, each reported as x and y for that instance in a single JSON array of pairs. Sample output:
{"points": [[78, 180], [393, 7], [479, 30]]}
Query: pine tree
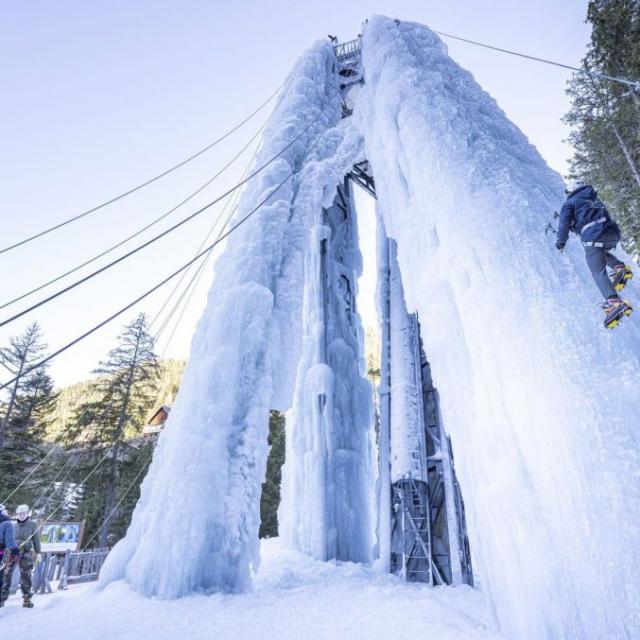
{"points": [[106, 427], [270, 498], [605, 115], [27, 413]]}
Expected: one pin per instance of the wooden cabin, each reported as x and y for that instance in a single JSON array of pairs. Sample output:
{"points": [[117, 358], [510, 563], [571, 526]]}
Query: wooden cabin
{"points": [[156, 423]]}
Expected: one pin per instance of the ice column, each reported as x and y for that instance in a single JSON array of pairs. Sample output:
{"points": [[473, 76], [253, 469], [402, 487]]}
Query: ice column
{"points": [[195, 528], [541, 401], [328, 477]]}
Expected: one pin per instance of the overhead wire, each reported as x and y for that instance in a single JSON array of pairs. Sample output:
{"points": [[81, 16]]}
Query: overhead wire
{"points": [[215, 222], [156, 338], [169, 277], [142, 229], [155, 238], [231, 204], [195, 278], [205, 252], [73, 457], [163, 327], [144, 467], [146, 182], [635, 84], [26, 478], [84, 480]]}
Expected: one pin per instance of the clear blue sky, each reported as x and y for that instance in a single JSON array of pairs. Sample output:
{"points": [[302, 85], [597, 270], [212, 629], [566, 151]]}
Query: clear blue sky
{"points": [[98, 96]]}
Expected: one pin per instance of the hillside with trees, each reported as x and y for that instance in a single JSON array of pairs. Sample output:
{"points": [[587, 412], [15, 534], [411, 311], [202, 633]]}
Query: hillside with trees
{"points": [[71, 397]]}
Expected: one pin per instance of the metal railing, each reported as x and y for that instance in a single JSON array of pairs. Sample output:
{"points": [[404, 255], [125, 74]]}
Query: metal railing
{"points": [[347, 50], [67, 568], [82, 566]]}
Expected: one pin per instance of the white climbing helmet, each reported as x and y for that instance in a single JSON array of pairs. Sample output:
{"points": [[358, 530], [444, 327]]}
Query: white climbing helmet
{"points": [[22, 512], [575, 183], [3, 510]]}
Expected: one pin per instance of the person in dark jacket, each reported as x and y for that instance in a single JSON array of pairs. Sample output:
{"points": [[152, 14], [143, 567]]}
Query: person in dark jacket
{"points": [[27, 537], [8, 546], [584, 214]]}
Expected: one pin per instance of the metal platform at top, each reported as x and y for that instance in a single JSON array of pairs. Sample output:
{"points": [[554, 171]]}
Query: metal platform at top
{"points": [[349, 67], [348, 52]]}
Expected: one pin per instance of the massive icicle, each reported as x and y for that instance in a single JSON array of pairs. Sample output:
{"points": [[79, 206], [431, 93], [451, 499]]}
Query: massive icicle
{"points": [[328, 478], [195, 528], [542, 402], [407, 427]]}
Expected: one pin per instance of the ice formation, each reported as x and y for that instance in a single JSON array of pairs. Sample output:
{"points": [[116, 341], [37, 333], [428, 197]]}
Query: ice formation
{"points": [[407, 433], [541, 401], [203, 488], [328, 477]]}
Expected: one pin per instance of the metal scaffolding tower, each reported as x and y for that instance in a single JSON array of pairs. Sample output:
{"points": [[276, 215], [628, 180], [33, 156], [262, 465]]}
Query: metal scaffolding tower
{"points": [[422, 525]]}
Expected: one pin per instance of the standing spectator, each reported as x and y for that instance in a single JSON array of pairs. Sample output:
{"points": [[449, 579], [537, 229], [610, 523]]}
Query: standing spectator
{"points": [[27, 537], [8, 547]]}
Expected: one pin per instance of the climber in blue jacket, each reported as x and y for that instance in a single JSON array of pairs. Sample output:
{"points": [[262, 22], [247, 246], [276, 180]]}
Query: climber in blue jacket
{"points": [[585, 214]]}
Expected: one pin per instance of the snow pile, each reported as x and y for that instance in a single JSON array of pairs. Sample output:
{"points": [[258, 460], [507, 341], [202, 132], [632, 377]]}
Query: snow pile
{"points": [[541, 401], [294, 597], [195, 528]]}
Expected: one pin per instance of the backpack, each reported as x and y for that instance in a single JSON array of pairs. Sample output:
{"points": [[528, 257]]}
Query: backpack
{"points": [[596, 218]]}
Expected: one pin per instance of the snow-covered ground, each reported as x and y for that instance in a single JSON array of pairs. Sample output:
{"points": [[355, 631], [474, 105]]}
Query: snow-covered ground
{"points": [[293, 597]]}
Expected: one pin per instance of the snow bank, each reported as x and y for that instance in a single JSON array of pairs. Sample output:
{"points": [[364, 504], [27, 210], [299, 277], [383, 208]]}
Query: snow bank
{"points": [[294, 597], [541, 401], [195, 528]]}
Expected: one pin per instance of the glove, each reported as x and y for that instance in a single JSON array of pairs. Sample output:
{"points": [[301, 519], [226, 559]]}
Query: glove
{"points": [[560, 246]]}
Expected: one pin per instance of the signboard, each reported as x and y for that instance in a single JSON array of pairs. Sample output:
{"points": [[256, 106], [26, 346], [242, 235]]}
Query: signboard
{"points": [[61, 536]]}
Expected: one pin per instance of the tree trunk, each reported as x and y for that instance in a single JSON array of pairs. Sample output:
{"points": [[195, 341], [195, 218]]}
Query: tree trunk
{"points": [[625, 150], [12, 401], [611, 124], [635, 97], [112, 487]]}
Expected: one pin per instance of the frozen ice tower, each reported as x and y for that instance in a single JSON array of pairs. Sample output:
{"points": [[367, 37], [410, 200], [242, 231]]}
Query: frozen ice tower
{"points": [[329, 476], [541, 402]]}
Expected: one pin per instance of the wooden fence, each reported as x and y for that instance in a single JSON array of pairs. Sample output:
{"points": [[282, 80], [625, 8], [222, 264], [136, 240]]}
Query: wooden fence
{"points": [[67, 568], [82, 566]]}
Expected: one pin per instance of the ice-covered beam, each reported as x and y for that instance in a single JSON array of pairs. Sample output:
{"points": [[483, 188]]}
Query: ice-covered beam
{"points": [[425, 541], [541, 401], [407, 427]]}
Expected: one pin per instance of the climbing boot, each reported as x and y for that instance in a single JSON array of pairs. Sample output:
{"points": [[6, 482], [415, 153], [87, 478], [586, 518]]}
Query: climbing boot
{"points": [[26, 602], [621, 275], [615, 309]]}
